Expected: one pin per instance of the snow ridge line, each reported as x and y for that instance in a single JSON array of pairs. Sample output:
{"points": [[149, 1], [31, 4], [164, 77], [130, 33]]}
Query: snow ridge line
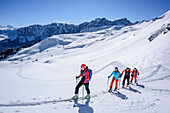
{"points": [[160, 90], [162, 78], [153, 73], [112, 63]]}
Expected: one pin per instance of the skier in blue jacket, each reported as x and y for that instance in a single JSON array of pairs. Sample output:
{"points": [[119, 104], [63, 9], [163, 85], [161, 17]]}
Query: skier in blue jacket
{"points": [[116, 77]]}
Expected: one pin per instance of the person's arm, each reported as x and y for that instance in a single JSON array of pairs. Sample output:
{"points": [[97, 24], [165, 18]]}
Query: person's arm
{"points": [[131, 71], [120, 74], [111, 74], [123, 71], [138, 72], [78, 76]]}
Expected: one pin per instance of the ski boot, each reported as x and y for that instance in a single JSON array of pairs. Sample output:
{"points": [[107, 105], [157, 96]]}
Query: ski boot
{"points": [[110, 90], [115, 89], [136, 83], [87, 96], [75, 97], [128, 85]]}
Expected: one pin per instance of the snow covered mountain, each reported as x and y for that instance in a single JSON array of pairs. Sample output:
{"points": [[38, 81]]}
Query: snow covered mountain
{"points": [[42, 76], [7, 32], [8, 27], [27, 36], [40, 32]]}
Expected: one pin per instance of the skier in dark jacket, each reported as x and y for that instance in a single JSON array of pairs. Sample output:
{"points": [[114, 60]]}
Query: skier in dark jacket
{"points": [[85, 78], [126, 76]]}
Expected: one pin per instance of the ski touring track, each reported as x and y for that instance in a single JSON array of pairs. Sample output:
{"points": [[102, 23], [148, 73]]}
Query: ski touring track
{"points": [[21, 104], [19, 73]]}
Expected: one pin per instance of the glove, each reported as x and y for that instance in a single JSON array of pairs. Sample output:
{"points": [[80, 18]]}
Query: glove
{"points": [[108, 76], [77, 77]]}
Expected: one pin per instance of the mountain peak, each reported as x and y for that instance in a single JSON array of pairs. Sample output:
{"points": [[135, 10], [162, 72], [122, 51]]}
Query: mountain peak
{"points": [[100, 19], [123, 21], [7, 27]]}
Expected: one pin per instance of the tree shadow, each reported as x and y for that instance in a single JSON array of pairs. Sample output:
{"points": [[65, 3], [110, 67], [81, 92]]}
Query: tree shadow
{"points": [[83, 108], [133, 90], [120, 95]]}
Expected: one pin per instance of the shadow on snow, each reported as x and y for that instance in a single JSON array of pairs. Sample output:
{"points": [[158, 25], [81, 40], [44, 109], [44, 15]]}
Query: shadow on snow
{"points": [[133, 90], [142, 86], [120, 95], [83, 108]]}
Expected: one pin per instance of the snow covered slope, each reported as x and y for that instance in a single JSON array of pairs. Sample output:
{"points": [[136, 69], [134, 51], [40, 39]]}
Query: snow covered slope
{"points": [[44, 74]]}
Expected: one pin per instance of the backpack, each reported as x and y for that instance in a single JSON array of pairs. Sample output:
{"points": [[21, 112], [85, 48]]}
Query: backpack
{"points": [[90, 73], [134, 71]]}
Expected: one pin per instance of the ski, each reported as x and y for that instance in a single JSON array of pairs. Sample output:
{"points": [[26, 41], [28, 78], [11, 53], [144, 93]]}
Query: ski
{"points": [[124, 87], [110, 91], [115, 92], [82, 98]]}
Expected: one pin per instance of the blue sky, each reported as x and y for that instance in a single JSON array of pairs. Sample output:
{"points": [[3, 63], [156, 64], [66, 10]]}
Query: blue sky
{"points": [[26, 12]]}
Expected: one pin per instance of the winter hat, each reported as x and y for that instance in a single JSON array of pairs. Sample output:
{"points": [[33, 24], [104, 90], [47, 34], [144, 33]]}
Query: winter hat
{"points": [[128, 68], [116, 68], [83, 66]]}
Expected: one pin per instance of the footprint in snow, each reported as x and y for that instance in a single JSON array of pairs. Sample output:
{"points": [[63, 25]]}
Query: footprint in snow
{"points": [[16, 111]]}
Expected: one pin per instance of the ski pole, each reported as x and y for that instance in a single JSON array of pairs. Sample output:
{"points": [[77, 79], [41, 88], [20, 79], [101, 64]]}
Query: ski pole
{"points": [[138, 79], [107, 84], [119, 82], [83, 95]]}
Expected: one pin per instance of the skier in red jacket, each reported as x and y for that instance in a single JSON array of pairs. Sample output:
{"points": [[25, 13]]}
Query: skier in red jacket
{"points": [[134, 74], [85, 78]]}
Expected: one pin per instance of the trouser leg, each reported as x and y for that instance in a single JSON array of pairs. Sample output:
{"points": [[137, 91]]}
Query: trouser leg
{"points": [[87, 88], [78, 86], [128, 78], [136, 79], [116, 84], [124, 81], [111, 84], [131, 79]]}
